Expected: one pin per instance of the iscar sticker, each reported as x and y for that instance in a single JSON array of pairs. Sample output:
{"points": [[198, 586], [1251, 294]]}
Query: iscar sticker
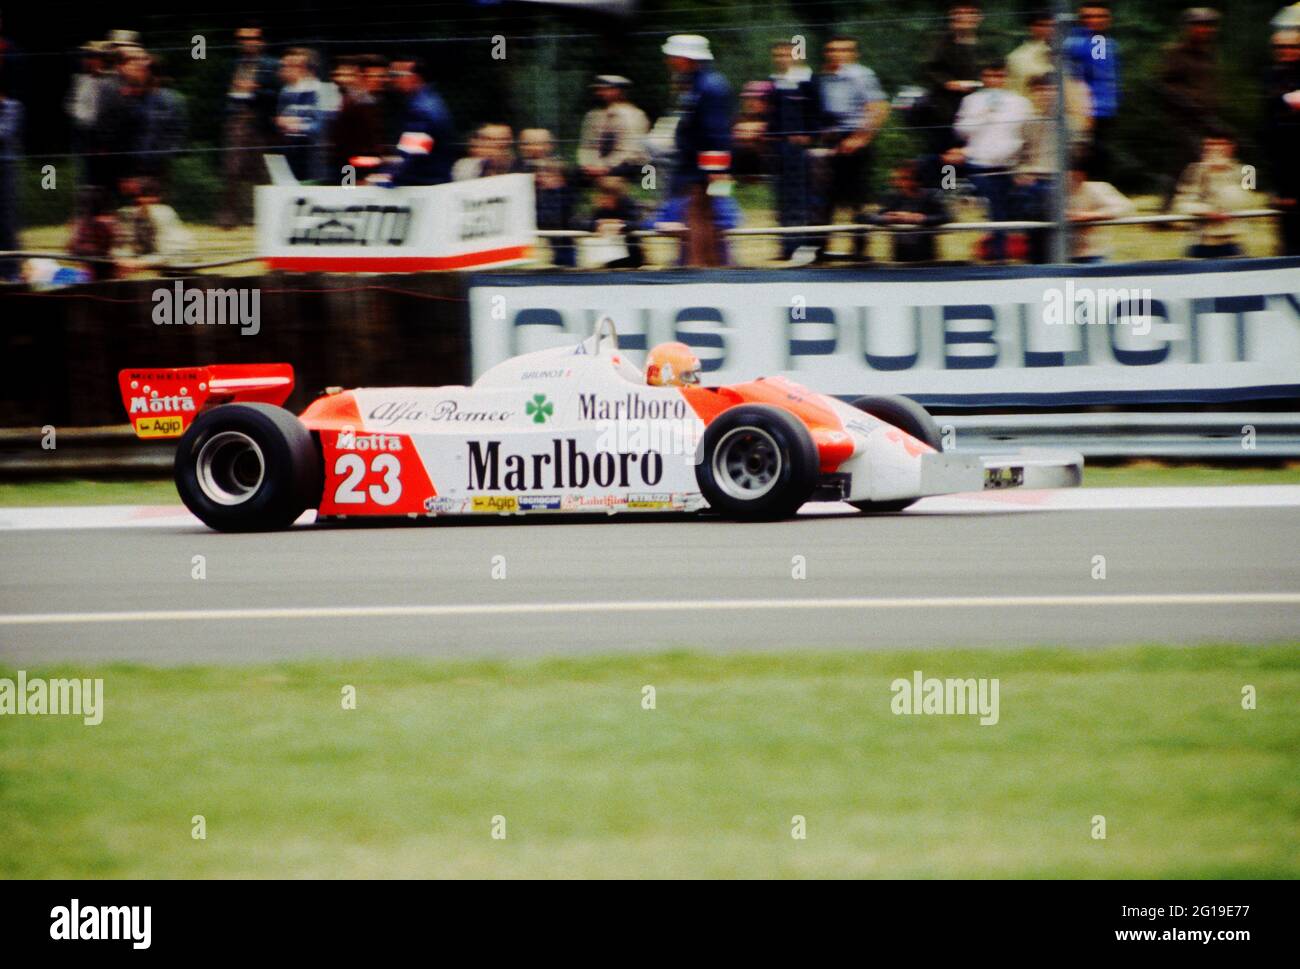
{"points": [[445, 506]]}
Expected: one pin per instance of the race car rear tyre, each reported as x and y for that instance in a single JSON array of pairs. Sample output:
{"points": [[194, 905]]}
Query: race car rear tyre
{"points": [[907, 415], [248, 468], [757, 462]]}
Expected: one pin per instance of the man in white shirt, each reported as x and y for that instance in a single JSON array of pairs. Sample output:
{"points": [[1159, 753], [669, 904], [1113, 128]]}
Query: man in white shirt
{"points": [[991, 123], [1034, 56], [612, 140], [149, 233], [1091, 202]]}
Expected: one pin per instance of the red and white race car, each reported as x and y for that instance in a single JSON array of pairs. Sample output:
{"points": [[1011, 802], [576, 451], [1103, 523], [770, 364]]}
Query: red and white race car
{"points": [[568, 429]]}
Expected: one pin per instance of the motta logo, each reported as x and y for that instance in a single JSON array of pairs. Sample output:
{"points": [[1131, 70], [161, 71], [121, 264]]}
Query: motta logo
{"points": [[98, 923], [350, 440], [564, 466], [170, 404], [307, 223]]}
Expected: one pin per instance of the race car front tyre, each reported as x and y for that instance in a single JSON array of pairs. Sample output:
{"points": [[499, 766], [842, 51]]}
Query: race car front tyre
{"points": [[248, 468], [757, 462], [907, 415]]}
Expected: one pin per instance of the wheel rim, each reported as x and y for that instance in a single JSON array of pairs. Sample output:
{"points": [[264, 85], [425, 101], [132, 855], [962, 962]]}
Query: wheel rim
{"points": [[230, 468], [747, 463]]}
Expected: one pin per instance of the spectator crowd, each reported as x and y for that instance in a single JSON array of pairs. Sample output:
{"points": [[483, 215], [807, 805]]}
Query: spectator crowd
{"points": [[986, 120]]}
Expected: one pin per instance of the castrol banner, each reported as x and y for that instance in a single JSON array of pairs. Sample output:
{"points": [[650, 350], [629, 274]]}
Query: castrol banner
{"points": [[476, 223]]}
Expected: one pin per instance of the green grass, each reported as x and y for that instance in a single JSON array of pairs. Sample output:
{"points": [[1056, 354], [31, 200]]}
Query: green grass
{"points": [[590, 784], [1149, 474], [84, 491]]}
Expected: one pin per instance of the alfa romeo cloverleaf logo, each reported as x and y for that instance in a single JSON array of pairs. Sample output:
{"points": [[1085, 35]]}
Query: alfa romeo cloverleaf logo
{"points": [[539, 409]]}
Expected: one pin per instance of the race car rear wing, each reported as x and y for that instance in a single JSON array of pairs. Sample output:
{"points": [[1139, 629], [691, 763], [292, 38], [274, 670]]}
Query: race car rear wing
{"points": [[162, 403]]}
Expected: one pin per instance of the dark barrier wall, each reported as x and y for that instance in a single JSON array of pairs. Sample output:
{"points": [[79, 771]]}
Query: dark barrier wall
{"points": [[60, 351]]}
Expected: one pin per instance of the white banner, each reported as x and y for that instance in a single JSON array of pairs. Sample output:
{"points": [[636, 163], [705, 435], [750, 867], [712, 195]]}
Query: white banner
{"points": [[364, 228], [1108, 334]]}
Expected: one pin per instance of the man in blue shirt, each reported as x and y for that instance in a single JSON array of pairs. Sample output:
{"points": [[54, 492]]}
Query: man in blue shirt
{"points": [[703, 140], [299, 113], [794, 118], [426, 145], [854, 107], [1094, 57]]}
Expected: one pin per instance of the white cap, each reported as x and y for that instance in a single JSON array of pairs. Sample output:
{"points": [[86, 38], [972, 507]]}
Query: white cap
{"points": [[1287, 18], [691, 46]]}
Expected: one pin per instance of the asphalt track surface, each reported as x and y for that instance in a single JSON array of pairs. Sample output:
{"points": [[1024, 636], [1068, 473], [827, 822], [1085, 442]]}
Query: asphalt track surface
{"points": [[1212, 571]]}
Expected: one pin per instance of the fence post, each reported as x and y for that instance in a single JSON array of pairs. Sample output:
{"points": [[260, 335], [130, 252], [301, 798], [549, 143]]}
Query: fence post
{"points": [[1061, 185]]}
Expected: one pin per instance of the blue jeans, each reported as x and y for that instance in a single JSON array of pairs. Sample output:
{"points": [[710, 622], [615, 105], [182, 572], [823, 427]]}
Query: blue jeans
{"points": [[1033, 203], [795, 202], [996, 190]]}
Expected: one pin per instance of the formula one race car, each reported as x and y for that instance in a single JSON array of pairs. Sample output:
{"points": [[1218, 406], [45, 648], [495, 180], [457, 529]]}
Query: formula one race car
{"points": [[567, 429]]}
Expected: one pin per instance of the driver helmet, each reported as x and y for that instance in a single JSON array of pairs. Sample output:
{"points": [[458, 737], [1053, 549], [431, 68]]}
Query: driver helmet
{"points": [[672, 365]]}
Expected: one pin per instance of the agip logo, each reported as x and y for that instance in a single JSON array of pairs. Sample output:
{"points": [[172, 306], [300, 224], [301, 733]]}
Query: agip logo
{"points": [[497, 504], [159, 427]]}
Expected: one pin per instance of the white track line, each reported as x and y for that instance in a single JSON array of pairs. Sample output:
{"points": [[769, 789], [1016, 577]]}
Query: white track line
{"points": [[668, 605], [175, 517]]}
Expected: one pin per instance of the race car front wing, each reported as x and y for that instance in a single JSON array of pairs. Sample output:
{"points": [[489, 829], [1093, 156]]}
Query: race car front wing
{"points": [[953, 472]]}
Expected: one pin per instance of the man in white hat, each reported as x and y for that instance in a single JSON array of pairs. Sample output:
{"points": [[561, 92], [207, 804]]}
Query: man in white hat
{"points": [[703, 145]]}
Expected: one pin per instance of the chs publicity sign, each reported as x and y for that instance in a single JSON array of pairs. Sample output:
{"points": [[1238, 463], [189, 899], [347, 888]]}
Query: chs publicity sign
{"points": [[461, 225], [1144, 332]]}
